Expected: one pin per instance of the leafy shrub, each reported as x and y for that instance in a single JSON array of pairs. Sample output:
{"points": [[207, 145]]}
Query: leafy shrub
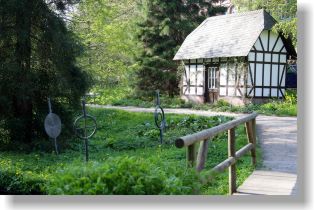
{"points": [[14, 182], [125, 176], [143, 133], [221, 103], [291, 96], [199, 123]]}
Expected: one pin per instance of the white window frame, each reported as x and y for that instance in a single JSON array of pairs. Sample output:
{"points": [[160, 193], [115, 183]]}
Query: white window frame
{"points": [[212, 77]]}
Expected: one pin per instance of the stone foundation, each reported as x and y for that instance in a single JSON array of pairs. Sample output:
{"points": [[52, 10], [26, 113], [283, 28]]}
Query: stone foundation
{"points": [[238, 101], [194, 99]]}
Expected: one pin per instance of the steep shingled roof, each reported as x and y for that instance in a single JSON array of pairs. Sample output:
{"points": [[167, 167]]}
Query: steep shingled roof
{"points": [[225, 35]]}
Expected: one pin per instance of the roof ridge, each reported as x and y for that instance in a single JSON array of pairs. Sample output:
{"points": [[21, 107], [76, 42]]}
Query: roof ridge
{"points": [[262, 11], [225, 35], [239, 14]]}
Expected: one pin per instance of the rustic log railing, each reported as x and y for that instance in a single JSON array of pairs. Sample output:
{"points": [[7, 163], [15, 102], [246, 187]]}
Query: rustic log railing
{"points": [[205, 136]]}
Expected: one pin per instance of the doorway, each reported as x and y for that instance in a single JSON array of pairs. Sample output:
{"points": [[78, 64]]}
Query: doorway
{"points": [[212, 85]]}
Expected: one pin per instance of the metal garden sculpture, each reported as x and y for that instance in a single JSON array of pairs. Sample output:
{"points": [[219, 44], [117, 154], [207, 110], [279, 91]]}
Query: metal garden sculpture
{"points": [[159, 116], [85, 127], [52, 126]]}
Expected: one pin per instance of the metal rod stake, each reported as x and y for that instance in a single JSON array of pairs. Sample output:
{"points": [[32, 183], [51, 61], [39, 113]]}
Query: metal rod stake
{"points": [[161, 135], [86, 150], [56, 146], [49, 106]]}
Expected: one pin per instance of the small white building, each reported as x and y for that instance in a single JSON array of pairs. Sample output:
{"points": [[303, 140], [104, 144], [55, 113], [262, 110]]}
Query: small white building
{"points": [[236, 57]]}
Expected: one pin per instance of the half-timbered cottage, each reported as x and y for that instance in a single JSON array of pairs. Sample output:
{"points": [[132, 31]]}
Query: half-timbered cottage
{"points": [[236, 57]]}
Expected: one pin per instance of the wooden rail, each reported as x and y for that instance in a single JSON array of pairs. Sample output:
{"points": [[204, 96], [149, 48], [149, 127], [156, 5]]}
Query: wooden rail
{"points": [[203, 137]]}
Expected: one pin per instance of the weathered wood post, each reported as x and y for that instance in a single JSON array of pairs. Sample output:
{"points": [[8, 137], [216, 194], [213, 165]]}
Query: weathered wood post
{"points": [[232, 168], [253, 151], [191, 155], [202, 154], [251, 137]]}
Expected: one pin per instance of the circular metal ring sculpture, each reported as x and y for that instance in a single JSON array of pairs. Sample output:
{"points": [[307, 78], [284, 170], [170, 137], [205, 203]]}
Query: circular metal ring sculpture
{"points": [[159, 116], [85, 127]]}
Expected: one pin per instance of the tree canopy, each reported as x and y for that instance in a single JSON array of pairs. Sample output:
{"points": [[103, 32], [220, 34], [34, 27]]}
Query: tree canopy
{"points": [[163, 28], [37, 60], [107, 29], [284, 11]]}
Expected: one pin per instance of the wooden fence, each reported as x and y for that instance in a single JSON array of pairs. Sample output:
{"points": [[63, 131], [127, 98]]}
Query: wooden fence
{"points": [[190, 141]]}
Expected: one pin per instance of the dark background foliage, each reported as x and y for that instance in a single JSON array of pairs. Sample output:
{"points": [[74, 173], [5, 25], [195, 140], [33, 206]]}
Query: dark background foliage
{"points": [[37, 61], [164, 27]]}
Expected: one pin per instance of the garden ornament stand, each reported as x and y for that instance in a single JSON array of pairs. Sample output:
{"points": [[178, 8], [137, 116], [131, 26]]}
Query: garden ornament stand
{"points": [[85, 127], [159, 116], [52, 126]]}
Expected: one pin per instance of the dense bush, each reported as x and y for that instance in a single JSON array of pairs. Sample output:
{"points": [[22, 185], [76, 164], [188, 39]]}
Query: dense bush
{"points": [[21, 182], [291, 96], [125, 176]]}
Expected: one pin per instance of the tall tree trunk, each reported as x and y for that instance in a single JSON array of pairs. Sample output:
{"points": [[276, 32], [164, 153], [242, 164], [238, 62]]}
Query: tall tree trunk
{"points": [[23, 108]]}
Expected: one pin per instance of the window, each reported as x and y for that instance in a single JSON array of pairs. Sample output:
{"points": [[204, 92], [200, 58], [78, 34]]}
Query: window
{"points": [[212, 74]]}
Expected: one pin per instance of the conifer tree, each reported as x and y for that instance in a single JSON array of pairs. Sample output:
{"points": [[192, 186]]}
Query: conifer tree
{"points": [[164, 28], [37, 60]]}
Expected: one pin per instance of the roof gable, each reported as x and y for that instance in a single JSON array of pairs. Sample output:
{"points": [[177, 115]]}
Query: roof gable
{"points": [[225, 35]]}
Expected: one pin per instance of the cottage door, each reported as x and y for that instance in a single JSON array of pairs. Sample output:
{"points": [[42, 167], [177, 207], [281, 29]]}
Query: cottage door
{"points": [[212, 84]]}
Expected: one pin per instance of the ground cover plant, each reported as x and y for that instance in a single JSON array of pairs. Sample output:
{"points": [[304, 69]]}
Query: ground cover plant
{"points": [[286, 107], [125, 158]]}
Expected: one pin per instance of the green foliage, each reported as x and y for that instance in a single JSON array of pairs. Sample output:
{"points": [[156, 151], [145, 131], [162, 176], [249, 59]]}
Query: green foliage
{"points": [[287, 107], [280, 108], [107, 28], [283, 11], [37, 60], [291, 96], [125, 176], [143, 133], [26, 183], [164, 26], [124, 96], [136, 169]]}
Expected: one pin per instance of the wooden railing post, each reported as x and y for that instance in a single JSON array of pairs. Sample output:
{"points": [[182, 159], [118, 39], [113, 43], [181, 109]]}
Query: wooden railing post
{"points": [[191, 155], [205, 136], [253, 151], [202, 154], [251, 137], [232, 168]]}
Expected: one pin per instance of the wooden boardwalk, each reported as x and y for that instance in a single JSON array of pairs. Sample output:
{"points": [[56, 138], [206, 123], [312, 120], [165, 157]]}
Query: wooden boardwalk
{"points": [[263, 182], [278, 140]]}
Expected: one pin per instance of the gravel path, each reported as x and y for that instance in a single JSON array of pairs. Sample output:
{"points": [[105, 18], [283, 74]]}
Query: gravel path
{"points": [[278, 140], [167, 110]]}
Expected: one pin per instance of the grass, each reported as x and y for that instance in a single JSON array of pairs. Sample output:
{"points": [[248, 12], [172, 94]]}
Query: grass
{"points": [[125, 158]]}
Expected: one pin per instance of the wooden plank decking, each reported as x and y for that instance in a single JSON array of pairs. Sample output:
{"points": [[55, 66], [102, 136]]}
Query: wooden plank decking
{"points": [[269, 183], [278, 140]]}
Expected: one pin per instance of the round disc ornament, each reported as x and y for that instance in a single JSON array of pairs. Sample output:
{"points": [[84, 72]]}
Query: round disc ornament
{"points": [[52, 125]]}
